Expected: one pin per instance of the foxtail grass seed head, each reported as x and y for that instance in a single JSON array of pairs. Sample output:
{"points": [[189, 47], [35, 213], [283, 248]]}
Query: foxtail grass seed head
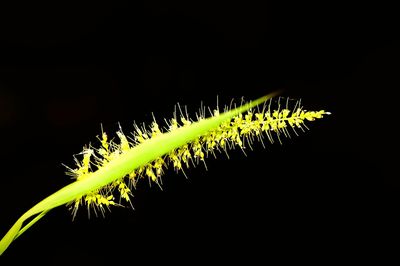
{"points": [[271, 122], [106, 174]]}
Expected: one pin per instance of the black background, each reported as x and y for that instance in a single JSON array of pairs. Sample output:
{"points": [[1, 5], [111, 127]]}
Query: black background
{"points": [[67, 68]]}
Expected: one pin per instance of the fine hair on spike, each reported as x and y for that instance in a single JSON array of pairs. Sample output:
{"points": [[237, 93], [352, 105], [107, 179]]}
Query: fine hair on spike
{"points": [[271, 122]]}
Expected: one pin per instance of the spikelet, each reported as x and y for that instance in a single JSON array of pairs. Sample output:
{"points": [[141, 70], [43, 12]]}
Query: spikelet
{"points": [[241, 131]]}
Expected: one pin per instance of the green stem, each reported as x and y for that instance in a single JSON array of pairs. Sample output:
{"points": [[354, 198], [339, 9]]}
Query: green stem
{"points": [[26, 227]]}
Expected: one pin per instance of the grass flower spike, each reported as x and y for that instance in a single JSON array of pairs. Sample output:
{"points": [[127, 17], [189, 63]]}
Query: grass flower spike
{"points": [[106, 175]]}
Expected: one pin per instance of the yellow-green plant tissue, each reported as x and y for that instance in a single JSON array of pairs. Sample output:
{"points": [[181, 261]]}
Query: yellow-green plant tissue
{"points": [[105, 176]]}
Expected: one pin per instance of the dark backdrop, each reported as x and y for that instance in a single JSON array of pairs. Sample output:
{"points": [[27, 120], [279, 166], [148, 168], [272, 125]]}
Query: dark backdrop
{"points": [[67, 68]]}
